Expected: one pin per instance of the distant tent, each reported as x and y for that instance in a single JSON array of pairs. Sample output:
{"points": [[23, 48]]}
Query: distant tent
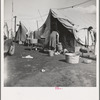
{"points": [[21, 33], [11, 34], [31, 34], [6, 32], [64, 21]]}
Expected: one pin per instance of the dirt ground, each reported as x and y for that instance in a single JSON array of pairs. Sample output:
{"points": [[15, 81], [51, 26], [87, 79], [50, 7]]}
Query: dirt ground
{"points": [[26, 72]]}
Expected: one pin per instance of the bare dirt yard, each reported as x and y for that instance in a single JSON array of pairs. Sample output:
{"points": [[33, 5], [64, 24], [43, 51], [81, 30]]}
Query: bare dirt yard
{"points": [[27, 72]]}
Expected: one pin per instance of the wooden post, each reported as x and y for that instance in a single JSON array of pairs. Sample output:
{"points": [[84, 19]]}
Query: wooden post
{"points": [[15, 25], [34, 35], [12, 17], [88, 40]]}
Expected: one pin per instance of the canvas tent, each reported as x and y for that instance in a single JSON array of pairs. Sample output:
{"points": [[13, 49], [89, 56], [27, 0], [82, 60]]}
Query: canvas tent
{"points": [[6, 32], [21, 33], [64, 21]]}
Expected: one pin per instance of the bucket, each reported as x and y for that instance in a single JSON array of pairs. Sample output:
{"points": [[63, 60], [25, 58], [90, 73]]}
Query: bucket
{"points": [[33, 41], [51, 53], [72, 58], [77, 49]]}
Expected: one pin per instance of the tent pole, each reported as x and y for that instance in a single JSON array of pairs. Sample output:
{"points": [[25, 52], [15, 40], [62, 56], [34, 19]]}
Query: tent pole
{"points": [[88, 43], [37, 24], [15, 25], [40, 14]]}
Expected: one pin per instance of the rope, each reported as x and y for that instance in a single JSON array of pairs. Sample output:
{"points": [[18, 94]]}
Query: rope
{"points": [[74, 5]]}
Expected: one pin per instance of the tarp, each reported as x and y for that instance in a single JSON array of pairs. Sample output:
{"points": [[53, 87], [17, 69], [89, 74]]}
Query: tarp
{"points": [[21, 33], [84, 37], [75, 16], [65, 20]]}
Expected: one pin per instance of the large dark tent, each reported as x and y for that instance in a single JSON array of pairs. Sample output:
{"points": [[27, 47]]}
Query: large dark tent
{"points": [[21, 33], [64, 21]]}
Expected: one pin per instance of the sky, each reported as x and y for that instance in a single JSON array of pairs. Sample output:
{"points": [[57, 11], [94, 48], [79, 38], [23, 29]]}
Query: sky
{"points": [[28, 11]]}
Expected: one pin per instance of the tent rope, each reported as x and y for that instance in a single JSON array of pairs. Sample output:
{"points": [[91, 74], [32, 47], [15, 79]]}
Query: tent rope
{"points": [[73, 5]]}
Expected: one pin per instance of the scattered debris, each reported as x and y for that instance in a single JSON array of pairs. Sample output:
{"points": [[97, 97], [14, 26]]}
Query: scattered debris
{"points": [[28, 65], [28, 56], [36, 49], [43, 70], [57, 53], [87, 61]]}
